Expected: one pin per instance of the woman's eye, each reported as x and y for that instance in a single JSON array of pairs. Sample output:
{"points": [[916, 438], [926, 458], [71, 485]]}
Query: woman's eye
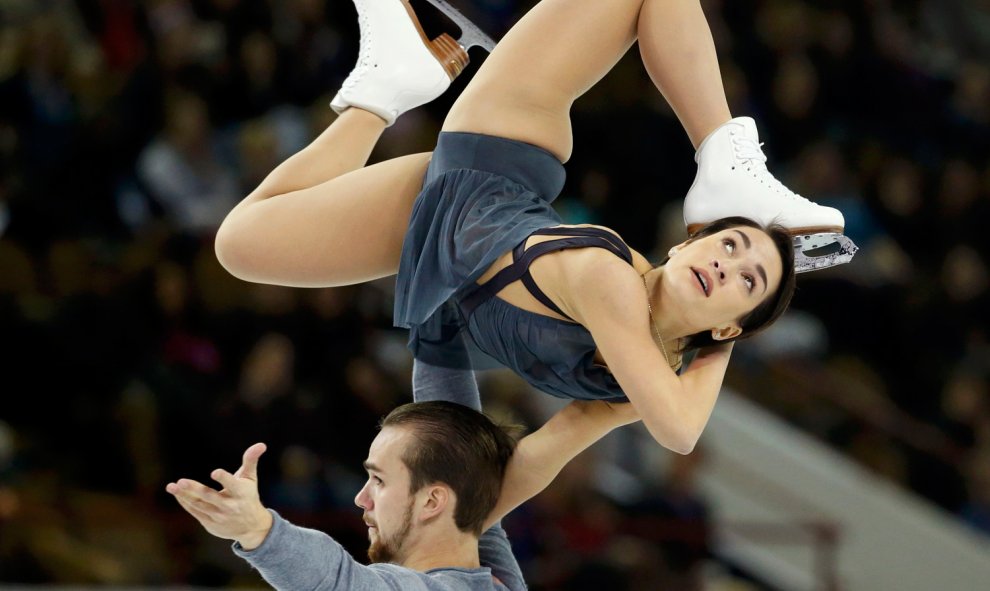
{"points": [[750, 283], [730, 245]]}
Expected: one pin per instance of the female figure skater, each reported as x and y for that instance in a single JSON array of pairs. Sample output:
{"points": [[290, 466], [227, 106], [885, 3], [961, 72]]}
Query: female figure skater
{"points": [[470, 231]]}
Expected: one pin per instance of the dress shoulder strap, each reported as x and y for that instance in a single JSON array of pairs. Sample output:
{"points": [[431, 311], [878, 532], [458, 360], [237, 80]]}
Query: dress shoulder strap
{"points": [[523, 257]]}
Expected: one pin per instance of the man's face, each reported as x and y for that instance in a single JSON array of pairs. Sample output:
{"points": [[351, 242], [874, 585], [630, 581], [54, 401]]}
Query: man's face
{"points": [[385, 498]]}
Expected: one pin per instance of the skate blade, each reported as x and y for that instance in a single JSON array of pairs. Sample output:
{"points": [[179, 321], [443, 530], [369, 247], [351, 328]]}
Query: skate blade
{"points": [[821, 251], [471, 35]]}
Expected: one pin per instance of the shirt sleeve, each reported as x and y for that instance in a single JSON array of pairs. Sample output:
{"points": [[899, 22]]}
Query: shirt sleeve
{"points": [[293, 558], [495, 552]]}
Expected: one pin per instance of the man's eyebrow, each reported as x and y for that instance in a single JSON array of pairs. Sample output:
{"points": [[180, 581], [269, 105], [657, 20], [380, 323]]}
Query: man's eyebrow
{"points": [[371, 467], [745, 238]]}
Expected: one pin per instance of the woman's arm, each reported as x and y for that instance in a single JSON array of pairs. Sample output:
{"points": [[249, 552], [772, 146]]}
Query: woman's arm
{"points": [[610, 301], [541, 455]]}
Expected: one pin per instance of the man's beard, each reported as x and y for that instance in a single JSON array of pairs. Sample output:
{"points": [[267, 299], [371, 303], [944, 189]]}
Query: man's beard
{"points": [[386, 549]]}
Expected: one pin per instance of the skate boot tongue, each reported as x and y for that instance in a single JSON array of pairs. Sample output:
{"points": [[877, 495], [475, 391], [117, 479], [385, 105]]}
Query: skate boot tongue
{"points": [[748, 128], [749, 151]]}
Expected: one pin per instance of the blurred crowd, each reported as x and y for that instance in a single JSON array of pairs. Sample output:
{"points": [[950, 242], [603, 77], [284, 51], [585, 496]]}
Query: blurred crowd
{"points": [[129, 358]]}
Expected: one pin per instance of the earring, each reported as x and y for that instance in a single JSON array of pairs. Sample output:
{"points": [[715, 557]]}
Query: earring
{"points": [[672, 251]]}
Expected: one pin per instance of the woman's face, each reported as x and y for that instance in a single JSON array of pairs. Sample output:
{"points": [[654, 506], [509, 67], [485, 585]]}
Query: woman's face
{"points": [[720, 278]]}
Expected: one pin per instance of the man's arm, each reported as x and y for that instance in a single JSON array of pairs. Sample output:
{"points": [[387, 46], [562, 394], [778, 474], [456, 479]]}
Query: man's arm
{"points": [[294, 557], [287, 556], [431, 382], [495, 552]]}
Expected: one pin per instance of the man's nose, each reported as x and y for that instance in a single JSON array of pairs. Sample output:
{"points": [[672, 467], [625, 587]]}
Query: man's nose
{"points": [[362, 499]]}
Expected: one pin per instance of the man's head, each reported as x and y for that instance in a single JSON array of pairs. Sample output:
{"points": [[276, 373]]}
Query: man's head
{"points": [[433, 464]]}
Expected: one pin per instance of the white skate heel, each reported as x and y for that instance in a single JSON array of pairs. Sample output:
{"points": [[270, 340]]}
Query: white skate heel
{"points": [[733, 180], [398, 67]]}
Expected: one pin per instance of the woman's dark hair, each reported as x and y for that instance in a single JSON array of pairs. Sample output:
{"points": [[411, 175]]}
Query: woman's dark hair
{"points": [[772, 306], [459, 447]]}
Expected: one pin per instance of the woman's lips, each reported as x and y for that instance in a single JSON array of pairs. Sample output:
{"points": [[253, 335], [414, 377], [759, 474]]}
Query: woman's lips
{"points": [[704, 281]]}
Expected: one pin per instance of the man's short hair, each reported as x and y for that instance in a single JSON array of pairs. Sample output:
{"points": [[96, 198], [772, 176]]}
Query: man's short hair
{"points": [[457, 446]]}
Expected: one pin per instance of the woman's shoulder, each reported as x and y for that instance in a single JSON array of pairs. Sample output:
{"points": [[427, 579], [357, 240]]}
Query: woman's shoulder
{"points": [[607, 229], [596, 282], [596, 268], [639, 262]]}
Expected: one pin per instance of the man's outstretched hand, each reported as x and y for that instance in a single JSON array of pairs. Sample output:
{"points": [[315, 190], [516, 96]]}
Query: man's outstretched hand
{"points": [[234, 513]]}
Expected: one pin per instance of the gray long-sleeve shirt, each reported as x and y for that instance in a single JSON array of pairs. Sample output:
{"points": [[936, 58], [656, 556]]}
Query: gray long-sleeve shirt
{"points": [[294, 558]]}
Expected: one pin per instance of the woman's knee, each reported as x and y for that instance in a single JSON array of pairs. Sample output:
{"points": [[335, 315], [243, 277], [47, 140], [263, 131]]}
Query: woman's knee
{"points": [[230, 249]]}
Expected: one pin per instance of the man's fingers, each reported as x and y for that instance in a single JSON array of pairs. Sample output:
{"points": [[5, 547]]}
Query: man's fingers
{"points": [[225, 478], [249, 464], [203, 510], [195, 488], [204, 517], [190, 489]]}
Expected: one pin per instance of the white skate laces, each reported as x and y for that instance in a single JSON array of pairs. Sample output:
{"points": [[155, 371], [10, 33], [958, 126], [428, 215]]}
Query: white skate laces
{"points": [[398, 67], [733, 180], [751, 153], [364, 51]]}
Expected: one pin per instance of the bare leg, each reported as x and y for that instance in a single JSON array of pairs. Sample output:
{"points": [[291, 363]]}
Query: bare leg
{"points": [[559, 50], [563, 47], [678, 51], [320, 219], [358, 130]]}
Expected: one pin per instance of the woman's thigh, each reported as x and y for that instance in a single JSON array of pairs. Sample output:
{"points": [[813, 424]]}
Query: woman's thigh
{"points": [[346, 230], [553, 55]]}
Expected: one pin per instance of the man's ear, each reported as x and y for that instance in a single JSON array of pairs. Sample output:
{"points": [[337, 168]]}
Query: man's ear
{"points": [[434, 500], [726, 332]]}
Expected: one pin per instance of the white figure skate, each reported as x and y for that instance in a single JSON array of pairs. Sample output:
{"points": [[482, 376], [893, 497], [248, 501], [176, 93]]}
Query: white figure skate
{"points": [[398, 67], [733, 180]]}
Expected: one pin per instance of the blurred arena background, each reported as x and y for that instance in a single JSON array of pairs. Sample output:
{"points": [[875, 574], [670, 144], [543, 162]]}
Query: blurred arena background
{"points": [[129, 358]]}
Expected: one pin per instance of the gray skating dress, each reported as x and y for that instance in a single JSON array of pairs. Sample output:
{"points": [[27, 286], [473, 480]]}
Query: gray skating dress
{"points": [[482, 197]]}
